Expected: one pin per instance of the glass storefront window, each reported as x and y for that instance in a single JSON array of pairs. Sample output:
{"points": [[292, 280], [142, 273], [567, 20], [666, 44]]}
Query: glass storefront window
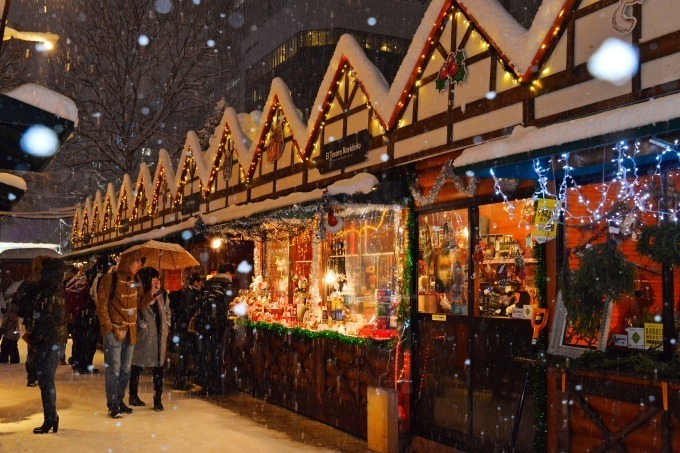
{"points": [[583, 229], [359, 269], [503, 263], [443, 262]]}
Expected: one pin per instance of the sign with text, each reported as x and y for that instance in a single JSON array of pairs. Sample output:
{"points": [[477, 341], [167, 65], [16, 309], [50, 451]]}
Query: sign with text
{"points": [[191, 203], [545, 227], [344, 152], [653, 335]]}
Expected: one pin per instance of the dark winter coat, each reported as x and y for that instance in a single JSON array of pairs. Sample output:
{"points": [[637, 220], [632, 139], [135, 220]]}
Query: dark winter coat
{"points": [[183, 304], [49, 320], [10, 323], [153, 323], [213, 308]]}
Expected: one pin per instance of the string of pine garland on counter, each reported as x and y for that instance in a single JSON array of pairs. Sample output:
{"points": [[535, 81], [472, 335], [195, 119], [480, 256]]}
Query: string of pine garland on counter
{"points": [[281, 330]]}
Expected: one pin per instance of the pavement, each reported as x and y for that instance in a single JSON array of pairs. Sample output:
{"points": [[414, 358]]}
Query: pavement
{"points": [[235, 422]]}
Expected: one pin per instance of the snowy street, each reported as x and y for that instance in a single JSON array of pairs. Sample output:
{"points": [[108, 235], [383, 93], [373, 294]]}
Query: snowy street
{"points": [[235, 422]]}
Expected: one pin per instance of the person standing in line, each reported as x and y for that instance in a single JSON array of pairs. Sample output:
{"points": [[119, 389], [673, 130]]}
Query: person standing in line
{"points": [[9, 331], [183, 304], [23, 299], [47, 334], [77, 295], [153, 323], [119, 297], [210, 323]]}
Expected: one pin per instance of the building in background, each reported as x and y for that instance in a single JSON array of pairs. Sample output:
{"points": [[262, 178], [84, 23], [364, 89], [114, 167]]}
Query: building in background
{"points": [[295, 40]]}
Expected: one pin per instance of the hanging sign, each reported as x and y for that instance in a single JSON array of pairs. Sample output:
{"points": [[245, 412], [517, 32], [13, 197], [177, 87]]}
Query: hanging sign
{"points": [[190, 203], [545, 228], [344, 152]]}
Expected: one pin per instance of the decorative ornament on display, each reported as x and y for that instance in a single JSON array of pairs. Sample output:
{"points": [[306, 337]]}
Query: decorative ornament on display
{"points": [[622, 23], [199, 226], [452, 70], [333, 223], [446, 173], [275, 146], [628, 225], [478, 254]]}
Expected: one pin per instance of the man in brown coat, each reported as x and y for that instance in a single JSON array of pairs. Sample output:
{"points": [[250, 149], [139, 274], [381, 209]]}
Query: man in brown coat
{"points": [[117, 310]]}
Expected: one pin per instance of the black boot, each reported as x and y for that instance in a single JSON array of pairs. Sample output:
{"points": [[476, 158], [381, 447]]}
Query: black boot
{"points": [[134, 400], [157, 389], [51, 423]]}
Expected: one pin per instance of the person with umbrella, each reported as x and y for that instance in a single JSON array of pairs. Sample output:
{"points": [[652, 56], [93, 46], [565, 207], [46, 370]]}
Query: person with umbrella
{"points": [[153, 323], [162, 256]]}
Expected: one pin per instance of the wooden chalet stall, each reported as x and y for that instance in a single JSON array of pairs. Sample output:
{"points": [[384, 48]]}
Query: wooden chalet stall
{"points": [[513, 154]]}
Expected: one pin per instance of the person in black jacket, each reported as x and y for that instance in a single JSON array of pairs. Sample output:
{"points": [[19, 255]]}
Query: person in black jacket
{"points": [[183, 304], [23, 298], [210, 321], [47, 333]]}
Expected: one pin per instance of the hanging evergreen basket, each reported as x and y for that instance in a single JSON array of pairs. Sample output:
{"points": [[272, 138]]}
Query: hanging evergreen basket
{"points": [[604, 274], [661, 243]]}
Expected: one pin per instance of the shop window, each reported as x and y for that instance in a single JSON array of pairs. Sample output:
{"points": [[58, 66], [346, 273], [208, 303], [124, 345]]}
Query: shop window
{"points": [[359, 269], [443, 262], [503, 263], [278, 272], [584, 227]]}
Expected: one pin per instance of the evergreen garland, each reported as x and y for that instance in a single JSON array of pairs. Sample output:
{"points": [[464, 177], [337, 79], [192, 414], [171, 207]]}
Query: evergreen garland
{"points": [[410, 258], [603, 275], [661, 243], [281, 330]]}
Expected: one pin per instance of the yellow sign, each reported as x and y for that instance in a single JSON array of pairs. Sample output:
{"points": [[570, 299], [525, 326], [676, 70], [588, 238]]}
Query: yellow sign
{"points": [[439, 317], [653, 335], [545, 229]]}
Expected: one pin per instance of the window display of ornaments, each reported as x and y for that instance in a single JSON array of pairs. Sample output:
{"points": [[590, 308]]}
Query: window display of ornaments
{"points": [[333, 224]]}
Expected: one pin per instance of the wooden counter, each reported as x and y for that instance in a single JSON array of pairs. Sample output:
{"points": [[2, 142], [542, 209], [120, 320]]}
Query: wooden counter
{"points": [[323, 379]]}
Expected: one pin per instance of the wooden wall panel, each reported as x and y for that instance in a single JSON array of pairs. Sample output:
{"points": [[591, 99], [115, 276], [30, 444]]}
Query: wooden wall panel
{"points": [[656, 72], [420, 142], [578, 96], [498, 119], [592, 30], [660, 17]]}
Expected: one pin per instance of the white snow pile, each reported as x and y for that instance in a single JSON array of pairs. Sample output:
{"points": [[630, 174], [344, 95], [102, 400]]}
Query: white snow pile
{"points": [[527, 139], [359, 183], [46, 99]]}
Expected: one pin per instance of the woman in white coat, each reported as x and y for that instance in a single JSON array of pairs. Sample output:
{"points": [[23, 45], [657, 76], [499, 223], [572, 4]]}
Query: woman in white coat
{"points": [[153, 324]]}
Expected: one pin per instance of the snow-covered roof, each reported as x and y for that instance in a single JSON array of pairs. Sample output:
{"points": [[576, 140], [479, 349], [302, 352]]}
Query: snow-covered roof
{"points": [[359, 183], [517, 44], [27, 253], [156, 233], [531, 138], [46, 99], [13, 180]]}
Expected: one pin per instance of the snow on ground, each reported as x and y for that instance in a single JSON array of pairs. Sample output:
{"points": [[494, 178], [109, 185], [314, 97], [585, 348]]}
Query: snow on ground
{"points": [[187, 424]]}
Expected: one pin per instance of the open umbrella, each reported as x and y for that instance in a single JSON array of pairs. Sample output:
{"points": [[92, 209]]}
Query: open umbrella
{"points": [[163, 255]]}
